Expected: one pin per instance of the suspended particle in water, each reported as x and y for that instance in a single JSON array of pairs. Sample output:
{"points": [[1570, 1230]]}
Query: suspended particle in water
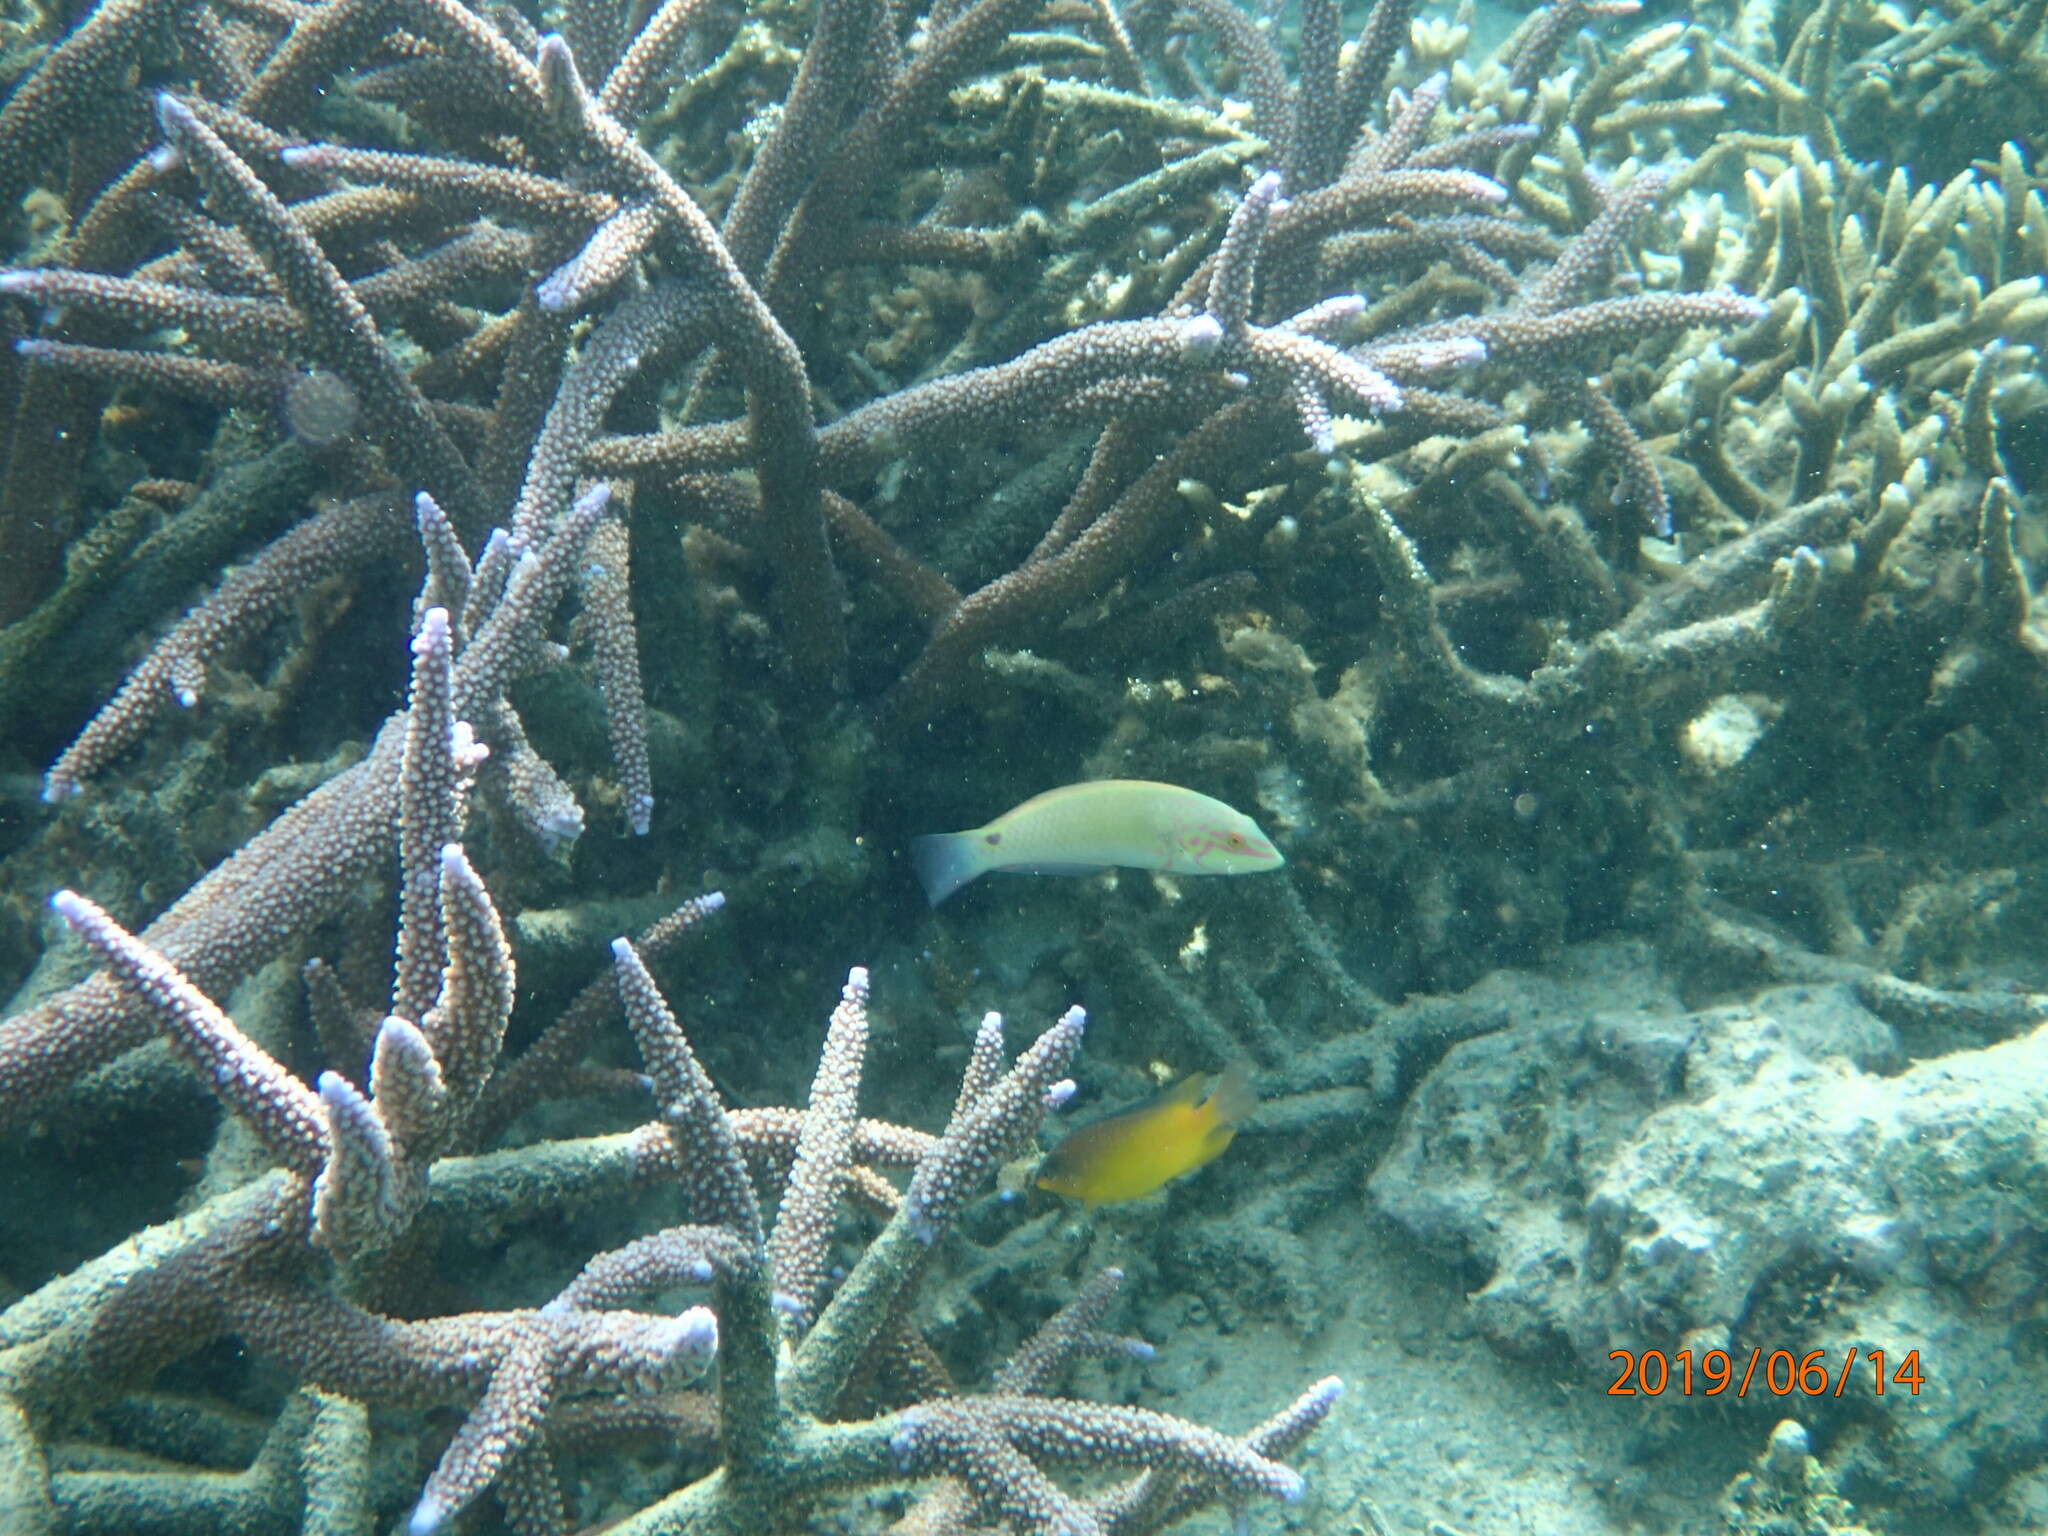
{"points": [[320, 407]]}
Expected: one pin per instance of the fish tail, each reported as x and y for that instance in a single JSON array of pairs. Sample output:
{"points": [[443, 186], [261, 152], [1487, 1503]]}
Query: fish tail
{"points": [[944, 862], [1231, 1096]]}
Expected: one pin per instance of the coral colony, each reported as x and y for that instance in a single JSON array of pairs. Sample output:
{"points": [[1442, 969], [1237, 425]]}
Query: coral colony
{"points": [[990, 358]]}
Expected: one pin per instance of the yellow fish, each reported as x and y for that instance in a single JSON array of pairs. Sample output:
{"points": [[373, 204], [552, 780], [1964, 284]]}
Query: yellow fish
{"points": [[1082, 828], [1129, 1155]]}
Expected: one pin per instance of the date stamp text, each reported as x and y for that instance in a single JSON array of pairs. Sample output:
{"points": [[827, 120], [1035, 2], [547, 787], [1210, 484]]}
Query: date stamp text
{"points": [[1779, 1372]]}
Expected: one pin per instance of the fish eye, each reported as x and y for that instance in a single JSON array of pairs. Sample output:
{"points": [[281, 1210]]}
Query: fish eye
{"points": [[1235, 842]]}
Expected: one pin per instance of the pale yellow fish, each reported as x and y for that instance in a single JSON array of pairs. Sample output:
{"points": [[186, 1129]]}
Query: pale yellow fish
{"points": [[1103, 824]]}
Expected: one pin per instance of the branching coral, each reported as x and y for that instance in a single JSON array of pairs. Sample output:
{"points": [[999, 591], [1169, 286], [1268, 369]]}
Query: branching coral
{"points": [[266, 246], [277, 1260], [1855, 569], [1139, 388], [1224, 334]]}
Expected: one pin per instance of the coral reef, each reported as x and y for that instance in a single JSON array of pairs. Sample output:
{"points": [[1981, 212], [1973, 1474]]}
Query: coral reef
{"points": [[280, 1258], [1576, 477], [1789, 1492], [1768, 1175]]}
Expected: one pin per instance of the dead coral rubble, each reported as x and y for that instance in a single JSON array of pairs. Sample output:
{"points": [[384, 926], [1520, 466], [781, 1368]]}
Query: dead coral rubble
{"points": [[1769, 1180]]}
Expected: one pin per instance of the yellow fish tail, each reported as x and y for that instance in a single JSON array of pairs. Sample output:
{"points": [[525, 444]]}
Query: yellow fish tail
{"points": [[1231, 1096]]}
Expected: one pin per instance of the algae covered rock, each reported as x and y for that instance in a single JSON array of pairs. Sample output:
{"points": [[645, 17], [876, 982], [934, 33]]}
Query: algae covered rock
{"points": [[1760, 1180], [1788, 1493]]}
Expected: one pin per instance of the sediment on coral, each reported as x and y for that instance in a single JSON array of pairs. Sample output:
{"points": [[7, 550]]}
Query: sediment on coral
{"points": [[819, 1391], [1582, 486]]}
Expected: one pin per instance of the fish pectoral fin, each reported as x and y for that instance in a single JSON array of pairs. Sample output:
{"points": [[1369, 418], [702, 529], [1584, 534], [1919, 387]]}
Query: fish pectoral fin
{"points": [[1217, 1138], [1231, 1095]]}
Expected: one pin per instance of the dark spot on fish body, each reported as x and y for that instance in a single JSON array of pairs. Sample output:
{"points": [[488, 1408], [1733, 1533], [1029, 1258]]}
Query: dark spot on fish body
{"points": [[993, 838]]}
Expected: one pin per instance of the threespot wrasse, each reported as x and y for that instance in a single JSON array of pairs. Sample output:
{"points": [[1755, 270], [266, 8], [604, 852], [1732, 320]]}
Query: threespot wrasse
{"points": [[1129, 1155], [1103, 824]]}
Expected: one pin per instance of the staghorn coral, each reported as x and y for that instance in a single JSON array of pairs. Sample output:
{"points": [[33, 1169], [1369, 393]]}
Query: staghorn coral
{"points": [[278, 1260], [1500, 741], [394, 209], [1021, 425]]}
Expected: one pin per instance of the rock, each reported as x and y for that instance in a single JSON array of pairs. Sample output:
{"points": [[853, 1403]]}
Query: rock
{"points": [[1762, 1177]]}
